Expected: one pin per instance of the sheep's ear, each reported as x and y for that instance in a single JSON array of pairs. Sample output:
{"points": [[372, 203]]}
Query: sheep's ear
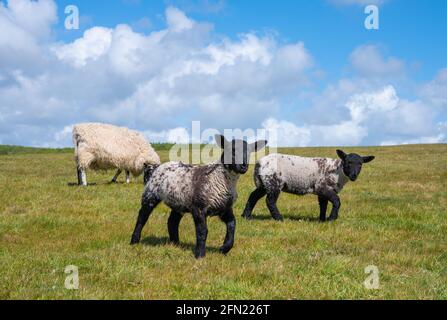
{"points": [[220, 140], [341, 154], [258, 145], [368, 159]]}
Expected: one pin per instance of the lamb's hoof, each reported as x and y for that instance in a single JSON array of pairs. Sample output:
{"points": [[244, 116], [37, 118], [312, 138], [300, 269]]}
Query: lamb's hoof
{"points": [[247, 217], [225, 249], [134, 241], [322, 220], [199, 254], [332, 219], [279, 218]]}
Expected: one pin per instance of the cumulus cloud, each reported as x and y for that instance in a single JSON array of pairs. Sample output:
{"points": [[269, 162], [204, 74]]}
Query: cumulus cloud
{"points": [[95, 43], [152, 82], [372, 118]]}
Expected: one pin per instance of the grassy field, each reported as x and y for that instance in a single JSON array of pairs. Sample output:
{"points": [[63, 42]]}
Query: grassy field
{"points": [[393, 217]]}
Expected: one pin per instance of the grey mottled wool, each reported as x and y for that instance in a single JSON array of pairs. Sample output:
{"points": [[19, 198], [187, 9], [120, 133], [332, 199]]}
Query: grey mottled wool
{"points": [[178, 185], [300, 175]]}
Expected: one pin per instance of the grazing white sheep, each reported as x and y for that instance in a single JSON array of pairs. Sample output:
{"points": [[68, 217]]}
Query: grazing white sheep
{"points": [[102, 146], [323, 177], [203, 190]]}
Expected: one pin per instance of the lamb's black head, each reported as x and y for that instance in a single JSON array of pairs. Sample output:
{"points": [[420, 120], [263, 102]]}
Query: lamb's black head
{"points": [[352, 163], [236, 153]]}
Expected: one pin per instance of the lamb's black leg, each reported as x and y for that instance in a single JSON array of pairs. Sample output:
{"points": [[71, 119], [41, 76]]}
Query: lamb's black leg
{"points": [[115, 177], [229, 219], [335, 200], [199, 217], [173, 224], [147, 207], [255, 196], [323, 201], [272, 198]]}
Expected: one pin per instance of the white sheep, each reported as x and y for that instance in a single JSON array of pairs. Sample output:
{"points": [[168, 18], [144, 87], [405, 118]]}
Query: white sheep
{"points": [[323, 177], [102, 146], [203, 190]]}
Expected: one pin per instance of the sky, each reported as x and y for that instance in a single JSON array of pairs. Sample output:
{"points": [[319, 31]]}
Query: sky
{"points": [[308, 70]]}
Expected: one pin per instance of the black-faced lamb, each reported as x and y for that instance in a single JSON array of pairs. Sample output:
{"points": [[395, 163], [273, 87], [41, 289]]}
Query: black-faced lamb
{"points": [[323, 177], [102, 146], [203, 190]]}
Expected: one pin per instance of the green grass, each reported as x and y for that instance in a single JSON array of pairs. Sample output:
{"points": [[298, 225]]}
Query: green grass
{"points": [[393, 217]]}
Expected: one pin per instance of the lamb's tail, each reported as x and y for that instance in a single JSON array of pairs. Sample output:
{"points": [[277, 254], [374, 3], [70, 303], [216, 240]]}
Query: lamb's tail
{"points": [[148, 171]]}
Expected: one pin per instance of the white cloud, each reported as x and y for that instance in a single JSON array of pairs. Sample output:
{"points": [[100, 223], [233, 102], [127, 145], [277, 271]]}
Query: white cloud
{"points": [[436, 90], [287, 133], [369, 61], [34, 17], [177, 20], [151, 82], [372, 115], [95, 43], [176, 135], [64, 136]]}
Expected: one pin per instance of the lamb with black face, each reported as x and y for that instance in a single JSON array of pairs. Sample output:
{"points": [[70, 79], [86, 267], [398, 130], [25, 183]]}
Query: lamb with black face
{"points": [[324, 177], [203, 190]]}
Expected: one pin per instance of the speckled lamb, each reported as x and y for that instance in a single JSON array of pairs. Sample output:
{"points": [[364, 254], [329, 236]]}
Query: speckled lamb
{"points": [[203, 190], [323, 177]]}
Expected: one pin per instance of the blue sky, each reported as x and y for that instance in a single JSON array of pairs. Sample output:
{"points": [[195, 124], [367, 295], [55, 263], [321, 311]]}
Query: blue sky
{"points": [[308, 69]]}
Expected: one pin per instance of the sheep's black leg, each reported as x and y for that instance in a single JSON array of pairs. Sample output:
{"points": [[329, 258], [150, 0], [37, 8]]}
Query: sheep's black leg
{"points": [[79, 176], [173, 224], [199, 217], [335, 200], [255, 196], [229, 219], [115, 177], [127, 177], [323, 201], [82, 180], [272, 198], [147, 207]]}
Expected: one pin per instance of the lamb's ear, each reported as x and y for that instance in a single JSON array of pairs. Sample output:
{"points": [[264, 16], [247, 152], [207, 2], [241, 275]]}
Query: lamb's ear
{"points": [[258, 145], [341, 154], [220, 140], [368, 159]]}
